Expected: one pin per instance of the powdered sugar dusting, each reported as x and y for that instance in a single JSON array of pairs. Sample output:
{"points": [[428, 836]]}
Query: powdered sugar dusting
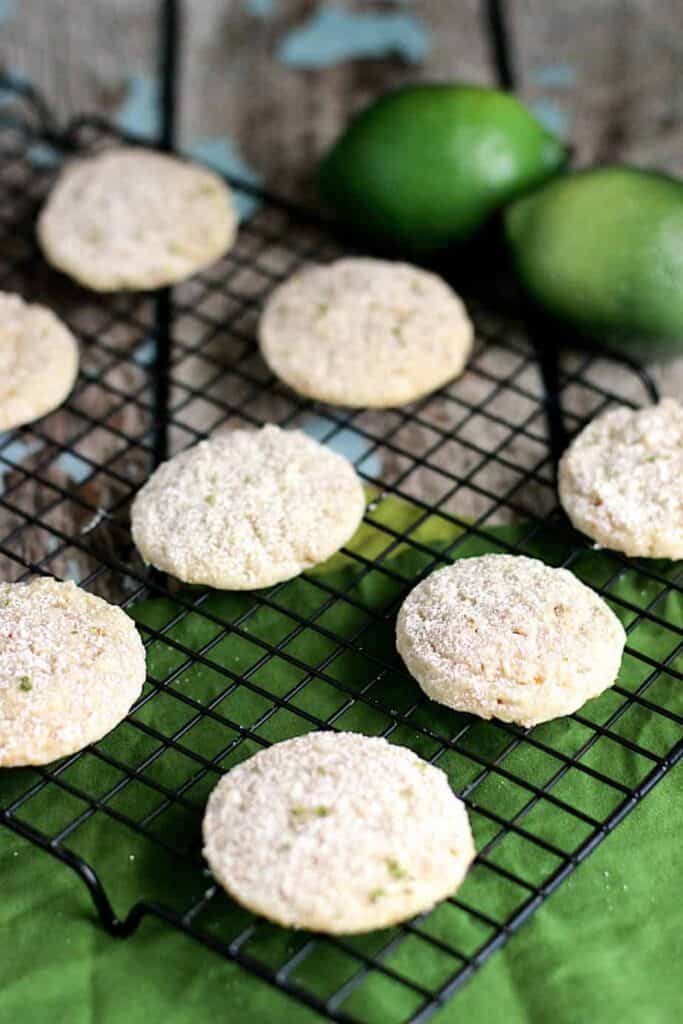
{"points": [[337, 832], [131, 218], [38, 361], [621, 480], [247, 509], [71, 666], [505, 636], [365, 332]]}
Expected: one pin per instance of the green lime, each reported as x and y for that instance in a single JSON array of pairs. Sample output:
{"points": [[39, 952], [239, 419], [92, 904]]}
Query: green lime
{"points": [[426, 165], [602, 250]]}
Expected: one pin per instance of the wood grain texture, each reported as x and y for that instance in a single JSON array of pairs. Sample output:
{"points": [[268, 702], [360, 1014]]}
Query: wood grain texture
{"points": [[621, 95]]}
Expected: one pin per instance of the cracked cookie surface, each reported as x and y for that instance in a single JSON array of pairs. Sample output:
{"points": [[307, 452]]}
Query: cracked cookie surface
{"points": [[365, 333], [38, 361], [507, 637], [621, 480], [71, 666], [133, 219], [337, 832], [247, 509]]}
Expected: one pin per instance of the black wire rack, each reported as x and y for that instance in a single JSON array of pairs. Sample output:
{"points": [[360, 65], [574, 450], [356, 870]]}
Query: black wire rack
{"points": [[229, 674]]}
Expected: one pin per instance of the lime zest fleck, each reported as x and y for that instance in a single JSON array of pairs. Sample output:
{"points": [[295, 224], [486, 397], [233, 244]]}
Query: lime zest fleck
{"points": [[376, 894], [25, 683], [395, 869], [211, 499], [305, 813]]}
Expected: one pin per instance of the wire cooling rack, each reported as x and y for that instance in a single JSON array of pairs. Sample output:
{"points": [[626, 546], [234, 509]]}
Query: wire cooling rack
{"points": [[465, 470]]}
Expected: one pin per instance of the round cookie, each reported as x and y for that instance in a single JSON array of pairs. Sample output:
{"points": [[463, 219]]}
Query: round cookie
{"points": [[507, 637], [621, 480], [134, 219], [337, 833], [247, 509], [365, 333], [38, 361], [71, 666]]}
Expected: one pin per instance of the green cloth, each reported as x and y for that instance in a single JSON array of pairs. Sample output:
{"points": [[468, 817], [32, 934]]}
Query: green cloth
{"points": [[606, 947]]}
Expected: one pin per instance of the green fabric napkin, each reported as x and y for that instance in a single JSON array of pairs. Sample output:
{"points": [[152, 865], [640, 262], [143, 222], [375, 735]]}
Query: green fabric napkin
{"points": [[606, 947]]}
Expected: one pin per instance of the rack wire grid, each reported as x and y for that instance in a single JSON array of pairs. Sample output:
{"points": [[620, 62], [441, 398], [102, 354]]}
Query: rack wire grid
{"points": [[229, 673]]}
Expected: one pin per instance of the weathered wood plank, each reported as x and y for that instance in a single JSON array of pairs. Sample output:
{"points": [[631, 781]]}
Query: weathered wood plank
{"points": [[611, 72]]}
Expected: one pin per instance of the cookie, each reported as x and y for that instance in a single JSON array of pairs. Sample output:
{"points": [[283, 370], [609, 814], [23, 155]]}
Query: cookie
{"points": [[38, 361], [365, 333], [621, 480], [337, 832], [134, 219], [507, 637], [247, 509], [71, 666]]}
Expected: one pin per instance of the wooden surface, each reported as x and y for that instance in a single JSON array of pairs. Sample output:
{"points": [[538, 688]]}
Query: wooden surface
{"points": [[606, 73], [611, 71]]}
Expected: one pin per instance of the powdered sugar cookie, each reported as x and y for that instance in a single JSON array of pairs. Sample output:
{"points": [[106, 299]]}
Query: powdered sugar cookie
{"points": [[337, 832], [247, 509], [504, 636], [134, 219], [621, 480], [38, 361], [365, 333], [71, 666]]}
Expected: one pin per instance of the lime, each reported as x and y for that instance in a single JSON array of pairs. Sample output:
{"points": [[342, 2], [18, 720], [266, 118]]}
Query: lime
{"points": [[426, 165], [602, 251]]}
